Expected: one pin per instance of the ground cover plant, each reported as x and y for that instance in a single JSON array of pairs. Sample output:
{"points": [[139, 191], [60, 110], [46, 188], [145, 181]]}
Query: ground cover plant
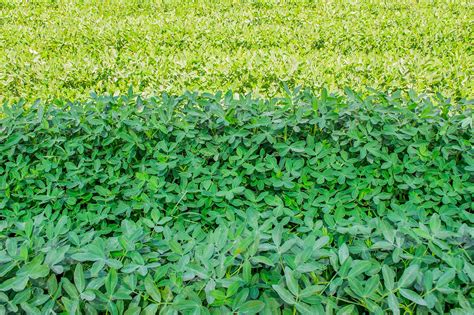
{"points": [[67, 48], [217, 203]]}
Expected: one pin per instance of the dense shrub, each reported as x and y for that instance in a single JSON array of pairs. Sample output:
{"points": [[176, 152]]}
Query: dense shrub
{"points": [[217, 203]]}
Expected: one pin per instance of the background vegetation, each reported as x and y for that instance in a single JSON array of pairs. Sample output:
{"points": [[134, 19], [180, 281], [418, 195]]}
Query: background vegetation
{"points": [[68, 48]]}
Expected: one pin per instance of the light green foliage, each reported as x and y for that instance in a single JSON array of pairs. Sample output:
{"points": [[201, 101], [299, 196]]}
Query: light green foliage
{"points": [[68, 48], [199, 204]]}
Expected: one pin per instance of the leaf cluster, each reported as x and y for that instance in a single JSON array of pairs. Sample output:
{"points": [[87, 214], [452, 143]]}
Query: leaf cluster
{"points": [[222, 203]]}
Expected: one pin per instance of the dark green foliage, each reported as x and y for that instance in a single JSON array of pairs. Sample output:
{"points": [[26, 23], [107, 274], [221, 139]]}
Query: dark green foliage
{"points": [[215, 203]]}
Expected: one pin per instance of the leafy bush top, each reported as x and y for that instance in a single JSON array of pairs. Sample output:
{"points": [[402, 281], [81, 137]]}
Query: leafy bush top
{"points": [[215, 203]]}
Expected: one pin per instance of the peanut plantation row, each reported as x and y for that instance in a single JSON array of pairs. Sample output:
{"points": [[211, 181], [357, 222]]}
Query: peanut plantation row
{"points": [[313, 203], [64, 49]]}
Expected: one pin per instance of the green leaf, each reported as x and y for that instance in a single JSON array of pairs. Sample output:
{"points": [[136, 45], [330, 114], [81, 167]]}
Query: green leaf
{"points": [[175, 247], [70, 305], [408, 276], [346, 310], [52, 284], [311, 291], [393, 304], [198, 270], [412, 296], [359, 267], [240, 297], [263, 260], [89, 256], [291, 281], [111, 281], [277, 233], [251, 307], [304, 308], [284, 294], [388, 277], [371, 285], [151, 309], [70, 289], [446, 278], [233, 288], [133, 310], [88, 295], [34, 269], [30, 309], [151, 289], [186, 305], [343, 253], [356, 286], [218, 295], [16, 284], [321, 242], [11, 246], [79, 279], [469, 270], [435, 223]]}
